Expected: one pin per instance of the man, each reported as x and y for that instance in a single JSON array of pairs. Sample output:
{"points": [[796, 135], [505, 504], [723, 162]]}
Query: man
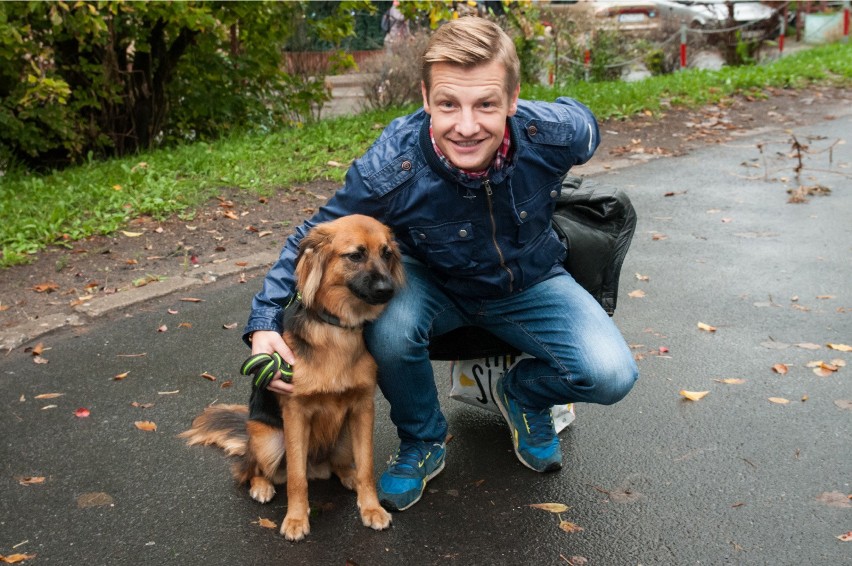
{"points": [[468, 185]]}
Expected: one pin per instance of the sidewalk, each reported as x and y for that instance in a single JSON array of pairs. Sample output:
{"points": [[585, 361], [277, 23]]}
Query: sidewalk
{"points": [[656, 480]]}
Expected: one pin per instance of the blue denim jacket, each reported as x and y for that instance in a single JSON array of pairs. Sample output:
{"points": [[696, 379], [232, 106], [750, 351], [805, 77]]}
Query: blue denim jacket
{"points": [[486, 238]]}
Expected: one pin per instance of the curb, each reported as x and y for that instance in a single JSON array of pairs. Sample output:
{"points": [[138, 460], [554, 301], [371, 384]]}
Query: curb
{"points": [[20, 334]]}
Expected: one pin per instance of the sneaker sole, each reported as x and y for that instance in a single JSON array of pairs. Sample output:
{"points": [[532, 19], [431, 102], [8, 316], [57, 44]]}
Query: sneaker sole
{"points": [[498, 400], [391, 506]]}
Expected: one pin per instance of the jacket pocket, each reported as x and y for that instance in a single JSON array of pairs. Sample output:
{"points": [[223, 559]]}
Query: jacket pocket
{"points": [[534, 214], [448, 247]]}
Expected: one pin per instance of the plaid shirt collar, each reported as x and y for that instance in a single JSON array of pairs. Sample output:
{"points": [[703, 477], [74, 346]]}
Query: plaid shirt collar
{"points": [[501, 158]]}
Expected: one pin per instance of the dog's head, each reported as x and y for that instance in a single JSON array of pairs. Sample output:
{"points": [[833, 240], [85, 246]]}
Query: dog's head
{"points": [[350, 267]]}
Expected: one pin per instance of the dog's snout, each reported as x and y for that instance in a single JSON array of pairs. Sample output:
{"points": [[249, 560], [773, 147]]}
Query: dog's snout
{"points": [[374, 288]]}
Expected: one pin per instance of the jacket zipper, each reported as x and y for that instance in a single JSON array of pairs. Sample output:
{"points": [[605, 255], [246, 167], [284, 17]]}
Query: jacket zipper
{"points": [[487, 185]]}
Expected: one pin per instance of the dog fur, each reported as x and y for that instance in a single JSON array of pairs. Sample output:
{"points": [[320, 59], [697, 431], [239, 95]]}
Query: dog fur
{"points": [[348, 268]]}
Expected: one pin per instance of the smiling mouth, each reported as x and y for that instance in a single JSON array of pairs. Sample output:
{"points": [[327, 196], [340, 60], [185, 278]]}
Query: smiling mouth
{"points": [[467, 144]]}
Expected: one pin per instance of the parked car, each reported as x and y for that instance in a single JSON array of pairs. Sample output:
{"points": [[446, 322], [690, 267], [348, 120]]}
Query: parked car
{"points": [[758, 20], [637, 17]]}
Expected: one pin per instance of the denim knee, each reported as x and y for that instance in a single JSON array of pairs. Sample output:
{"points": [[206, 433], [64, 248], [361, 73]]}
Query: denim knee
{"points": [[612, 382]]}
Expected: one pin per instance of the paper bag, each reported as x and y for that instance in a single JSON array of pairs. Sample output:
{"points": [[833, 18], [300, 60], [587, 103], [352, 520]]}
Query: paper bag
{"points": [[471, 383]]}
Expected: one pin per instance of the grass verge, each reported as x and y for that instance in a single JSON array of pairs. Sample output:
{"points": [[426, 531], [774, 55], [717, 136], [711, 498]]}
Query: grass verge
{"points": [[100, 197]]}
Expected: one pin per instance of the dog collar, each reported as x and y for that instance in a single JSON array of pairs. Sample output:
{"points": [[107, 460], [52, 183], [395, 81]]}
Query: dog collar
{"points": [[296, 305]]}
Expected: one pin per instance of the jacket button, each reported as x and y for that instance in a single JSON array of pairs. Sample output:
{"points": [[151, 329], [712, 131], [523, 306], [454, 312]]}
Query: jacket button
{"points": [[532, 130], [553, 194], [421, 235], [523, 214], [406, 165], [463, 233]]}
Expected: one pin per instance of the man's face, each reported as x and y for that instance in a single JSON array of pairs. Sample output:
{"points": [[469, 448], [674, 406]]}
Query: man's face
{"points": [[469, 108]]}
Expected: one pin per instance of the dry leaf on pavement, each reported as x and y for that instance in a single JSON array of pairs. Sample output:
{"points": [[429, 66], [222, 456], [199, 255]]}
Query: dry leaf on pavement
{"points": [[551, 507], [779, 400], [693, 395], [147, 426], [780, 368], [706, 327], [840, 347]]}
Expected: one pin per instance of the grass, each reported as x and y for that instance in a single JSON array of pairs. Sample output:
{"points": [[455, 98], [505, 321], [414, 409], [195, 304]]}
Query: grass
{"points": [[100, 197]]}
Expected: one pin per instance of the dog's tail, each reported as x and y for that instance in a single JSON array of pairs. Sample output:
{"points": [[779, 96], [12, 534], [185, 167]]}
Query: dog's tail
{"points": [[223, 426]]}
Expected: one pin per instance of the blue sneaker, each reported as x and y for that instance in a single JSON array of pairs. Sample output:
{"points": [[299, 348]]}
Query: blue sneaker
{"points": [[414, 464], [533, 434]]}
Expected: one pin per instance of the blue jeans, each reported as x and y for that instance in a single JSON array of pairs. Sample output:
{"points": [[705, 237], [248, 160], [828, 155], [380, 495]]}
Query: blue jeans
{"points": [[578, 353]]}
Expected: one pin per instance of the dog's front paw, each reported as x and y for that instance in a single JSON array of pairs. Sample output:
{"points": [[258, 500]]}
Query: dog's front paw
{"points": [[261, 489], [295, 528], [376, 518]]}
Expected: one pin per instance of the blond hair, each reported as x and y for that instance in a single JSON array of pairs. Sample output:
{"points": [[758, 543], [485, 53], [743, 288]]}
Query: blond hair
{"points": [[469, 42]]}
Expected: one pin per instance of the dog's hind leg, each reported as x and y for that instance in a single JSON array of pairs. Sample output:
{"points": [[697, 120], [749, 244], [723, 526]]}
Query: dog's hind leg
{"points": [[265, 452], [342, 460]]}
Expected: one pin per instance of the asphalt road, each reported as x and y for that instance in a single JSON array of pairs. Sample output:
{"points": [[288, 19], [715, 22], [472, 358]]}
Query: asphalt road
{"points": [[731, 479]]}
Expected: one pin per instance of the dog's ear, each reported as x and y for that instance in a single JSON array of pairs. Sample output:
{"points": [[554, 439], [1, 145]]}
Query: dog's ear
{"points": [[395, 264], [310, 263]]}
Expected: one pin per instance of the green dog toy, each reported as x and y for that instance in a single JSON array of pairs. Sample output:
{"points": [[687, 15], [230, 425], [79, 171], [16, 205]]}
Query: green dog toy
{"points": [[263, 368]]}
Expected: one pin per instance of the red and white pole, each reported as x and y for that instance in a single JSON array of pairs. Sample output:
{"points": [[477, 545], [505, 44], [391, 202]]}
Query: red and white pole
{"points": [[846, 11], [683, 46]]}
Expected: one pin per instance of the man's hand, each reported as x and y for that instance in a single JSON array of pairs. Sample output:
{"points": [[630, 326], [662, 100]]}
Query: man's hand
{"points": [[268, 342]]}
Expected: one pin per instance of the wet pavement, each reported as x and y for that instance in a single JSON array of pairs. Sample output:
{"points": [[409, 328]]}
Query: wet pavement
{"points": [[731, 479]]}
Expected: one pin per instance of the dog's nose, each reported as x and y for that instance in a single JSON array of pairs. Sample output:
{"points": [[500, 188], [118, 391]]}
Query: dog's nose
{"points": [[382, 290]]}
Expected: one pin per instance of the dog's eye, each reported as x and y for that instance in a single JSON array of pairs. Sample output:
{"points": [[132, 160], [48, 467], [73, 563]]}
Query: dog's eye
{"points": [[386, 253], [356, 257]]}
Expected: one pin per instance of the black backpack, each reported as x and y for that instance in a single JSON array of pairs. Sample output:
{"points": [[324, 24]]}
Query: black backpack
{"points": [[595, 222]]}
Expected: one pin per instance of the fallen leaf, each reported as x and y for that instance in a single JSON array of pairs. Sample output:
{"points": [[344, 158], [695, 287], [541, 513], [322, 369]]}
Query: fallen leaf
{"points": [[31, 480], [82, 412], [47, 287], [230, 325], [657, 237], [266, 523], [39, 360], [845, 537], [230, 214], [241, 263], [706, 327], [551, 507], [226, 384], [185, 325], [206, 375], [38, 349], [570, 527], [731, 380], [131, 234], [779, 400], [16, 558], [693, 395], [147, 426], [663, 350], [142, 355], [840, 347], [172, 311], [175, 392], [162, 328], [641, 277], [834, 499], [192, 300], [94, 499], [48, 395], [808, 346], [121, 376], [824, 297], [48, 407], [844, 404], [780, 368], [264, 233], [637, 294], [141, 405]]}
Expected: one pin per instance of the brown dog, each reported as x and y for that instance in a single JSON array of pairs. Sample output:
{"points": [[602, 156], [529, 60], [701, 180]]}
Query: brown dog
{"points": [[347, 270]]}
